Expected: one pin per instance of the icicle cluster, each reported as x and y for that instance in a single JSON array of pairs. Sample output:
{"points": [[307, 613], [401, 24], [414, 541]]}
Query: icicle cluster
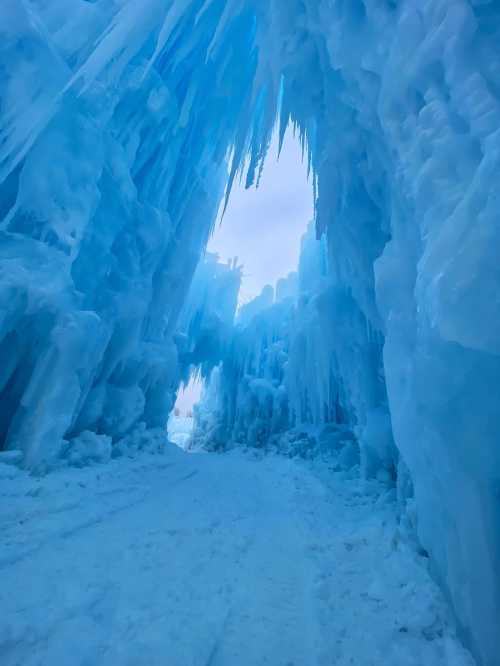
{"points": [[115, 129]]}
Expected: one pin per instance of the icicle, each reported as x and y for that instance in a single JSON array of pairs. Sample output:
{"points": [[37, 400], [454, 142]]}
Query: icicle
{"points": [[178, 10]]}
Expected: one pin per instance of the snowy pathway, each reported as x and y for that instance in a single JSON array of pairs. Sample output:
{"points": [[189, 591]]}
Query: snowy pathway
{"points": [[206, 560]]}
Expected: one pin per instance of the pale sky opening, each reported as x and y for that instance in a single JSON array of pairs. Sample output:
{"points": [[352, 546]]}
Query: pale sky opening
{"points": [[263, 226]]}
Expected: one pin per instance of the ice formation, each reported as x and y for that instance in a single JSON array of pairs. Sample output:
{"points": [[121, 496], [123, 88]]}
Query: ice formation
{"points": [[205, 323], [112, 153], [279, 383], [120, 124]]}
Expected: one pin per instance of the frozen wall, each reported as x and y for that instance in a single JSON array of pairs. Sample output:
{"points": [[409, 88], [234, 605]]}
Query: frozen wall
{"points": [[280, 384], [205, 325], [113, 144], [116, 120], [245, 402], [402, 116], [399, 103]]}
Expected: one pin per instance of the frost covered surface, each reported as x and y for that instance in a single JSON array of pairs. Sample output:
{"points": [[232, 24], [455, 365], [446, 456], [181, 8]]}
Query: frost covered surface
{"points": [[206, 321], [197, 559], [116, 123]]}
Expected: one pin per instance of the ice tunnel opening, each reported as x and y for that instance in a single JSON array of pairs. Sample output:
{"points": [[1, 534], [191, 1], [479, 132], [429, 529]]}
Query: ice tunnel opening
{"points": [[181, 420], [250, 272]]}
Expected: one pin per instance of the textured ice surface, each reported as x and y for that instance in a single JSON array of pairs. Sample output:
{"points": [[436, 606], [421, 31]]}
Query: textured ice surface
{"points": [[112, 158], [117, 120], [206, 320], [281, 373]]}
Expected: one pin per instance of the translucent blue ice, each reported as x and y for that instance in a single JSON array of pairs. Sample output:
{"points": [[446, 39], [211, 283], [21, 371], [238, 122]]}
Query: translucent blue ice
{"points": [[121, 122]]}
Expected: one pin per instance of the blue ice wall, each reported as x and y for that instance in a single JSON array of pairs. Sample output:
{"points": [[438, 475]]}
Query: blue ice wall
{"points": [[205, 325], [245, 401], [399, 104], [113, 144], [281, 384], [402, 118], [116, 122]]}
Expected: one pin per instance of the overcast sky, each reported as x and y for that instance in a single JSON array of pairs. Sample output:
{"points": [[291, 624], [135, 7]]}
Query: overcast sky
{"points": [[262, 227]]}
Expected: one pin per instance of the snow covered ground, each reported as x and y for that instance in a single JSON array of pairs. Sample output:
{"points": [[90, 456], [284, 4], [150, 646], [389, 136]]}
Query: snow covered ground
{"points": [[211, 560]]}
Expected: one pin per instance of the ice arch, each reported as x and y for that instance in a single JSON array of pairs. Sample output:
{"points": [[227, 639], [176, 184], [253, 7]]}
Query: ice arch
{"points": [[117, 122]]}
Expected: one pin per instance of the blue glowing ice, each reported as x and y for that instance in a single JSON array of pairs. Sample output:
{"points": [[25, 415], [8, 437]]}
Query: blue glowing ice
{"points": [[121, 122]]}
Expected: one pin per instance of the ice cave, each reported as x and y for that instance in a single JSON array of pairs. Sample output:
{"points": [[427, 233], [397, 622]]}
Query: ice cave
{"points": [[335, 500]]}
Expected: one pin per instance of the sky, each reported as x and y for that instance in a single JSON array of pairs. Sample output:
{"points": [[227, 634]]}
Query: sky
{"points": [[263, 227]]}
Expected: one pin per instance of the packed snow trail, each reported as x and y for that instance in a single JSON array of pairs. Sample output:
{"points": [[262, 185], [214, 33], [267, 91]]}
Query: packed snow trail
{"points": [[211, 560]]}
